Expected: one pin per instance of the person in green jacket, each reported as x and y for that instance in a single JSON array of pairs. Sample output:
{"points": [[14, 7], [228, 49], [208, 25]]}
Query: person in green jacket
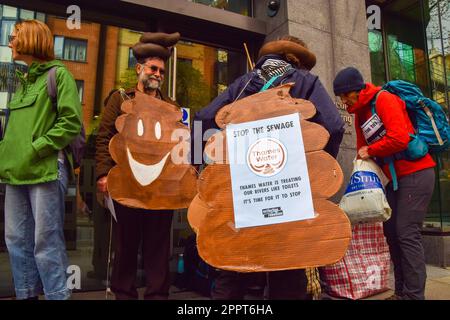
{"points": [[35, 165]]}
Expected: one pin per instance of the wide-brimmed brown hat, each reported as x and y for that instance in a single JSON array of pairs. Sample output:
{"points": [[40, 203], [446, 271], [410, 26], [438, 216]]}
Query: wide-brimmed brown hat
{"points": [[155, 44], [285, 47]]}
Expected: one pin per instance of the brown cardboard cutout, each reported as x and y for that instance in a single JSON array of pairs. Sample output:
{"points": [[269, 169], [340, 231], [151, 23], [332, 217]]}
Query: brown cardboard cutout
{"points": [[268, 104], [152, 168], [294, 245]]}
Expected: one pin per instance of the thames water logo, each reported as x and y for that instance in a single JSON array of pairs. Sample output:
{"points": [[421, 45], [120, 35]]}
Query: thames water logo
{"points": [[272, 212], [266, 157]]}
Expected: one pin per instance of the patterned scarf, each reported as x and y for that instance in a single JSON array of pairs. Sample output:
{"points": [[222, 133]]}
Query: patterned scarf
{"points": [[272, 68]]}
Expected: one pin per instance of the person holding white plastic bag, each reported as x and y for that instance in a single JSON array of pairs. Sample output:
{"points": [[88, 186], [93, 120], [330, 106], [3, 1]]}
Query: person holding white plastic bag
{"points": [[365, 200], [388, 131]]}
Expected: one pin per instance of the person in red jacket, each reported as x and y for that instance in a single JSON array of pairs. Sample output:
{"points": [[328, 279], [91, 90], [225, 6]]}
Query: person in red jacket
{"points": [[386, 134]]}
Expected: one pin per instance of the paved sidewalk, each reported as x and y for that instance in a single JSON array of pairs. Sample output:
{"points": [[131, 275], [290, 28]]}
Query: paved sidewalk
{"points": [[437, 288]]}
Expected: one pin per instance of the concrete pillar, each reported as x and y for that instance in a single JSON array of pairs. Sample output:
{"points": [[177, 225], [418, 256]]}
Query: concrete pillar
{"points": [[350, 48]]}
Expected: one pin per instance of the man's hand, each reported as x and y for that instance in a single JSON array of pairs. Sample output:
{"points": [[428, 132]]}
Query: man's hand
{"points": [[102, 184], [364, 153]]}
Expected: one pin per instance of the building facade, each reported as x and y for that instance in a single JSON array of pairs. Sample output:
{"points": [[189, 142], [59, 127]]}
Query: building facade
{"points": [[385, 39]]}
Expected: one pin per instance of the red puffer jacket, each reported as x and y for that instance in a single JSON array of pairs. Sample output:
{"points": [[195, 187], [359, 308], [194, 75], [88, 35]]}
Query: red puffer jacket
{"points": [[392, 112]]}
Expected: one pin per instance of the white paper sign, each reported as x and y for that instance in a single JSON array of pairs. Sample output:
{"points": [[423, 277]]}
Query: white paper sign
{"points": [[269, 174], [373, 129], [110, 205]]}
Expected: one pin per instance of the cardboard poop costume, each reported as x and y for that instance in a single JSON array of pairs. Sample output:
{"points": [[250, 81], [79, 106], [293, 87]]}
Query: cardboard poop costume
{"points": [[315, 242], [151, 148]]}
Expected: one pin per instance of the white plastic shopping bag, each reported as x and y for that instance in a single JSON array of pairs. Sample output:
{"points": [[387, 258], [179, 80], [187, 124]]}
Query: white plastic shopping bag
{"points": [[365, 200]]}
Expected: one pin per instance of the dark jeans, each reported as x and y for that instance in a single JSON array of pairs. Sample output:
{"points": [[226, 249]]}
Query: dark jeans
{"points": [[153, 229], [409, 206], [283, 285]]}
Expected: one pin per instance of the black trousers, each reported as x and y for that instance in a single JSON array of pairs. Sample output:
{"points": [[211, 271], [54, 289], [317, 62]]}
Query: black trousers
{"points": [[152, 228], [283, 285], [403, 232]]}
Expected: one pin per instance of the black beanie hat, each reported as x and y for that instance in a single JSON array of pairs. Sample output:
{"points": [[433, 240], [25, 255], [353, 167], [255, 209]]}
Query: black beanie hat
{"points": [[348, 80]]}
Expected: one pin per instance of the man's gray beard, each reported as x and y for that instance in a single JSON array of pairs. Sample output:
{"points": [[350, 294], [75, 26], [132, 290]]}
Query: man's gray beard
{"points": [[147, 83]]}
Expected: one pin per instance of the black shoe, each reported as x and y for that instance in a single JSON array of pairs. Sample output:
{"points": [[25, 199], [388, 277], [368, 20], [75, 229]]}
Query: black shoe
{"points": [[394, 297], [32, 298]]}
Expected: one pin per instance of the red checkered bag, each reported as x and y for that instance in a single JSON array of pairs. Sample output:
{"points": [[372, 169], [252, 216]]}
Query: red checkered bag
{"points": [[364, 270]]}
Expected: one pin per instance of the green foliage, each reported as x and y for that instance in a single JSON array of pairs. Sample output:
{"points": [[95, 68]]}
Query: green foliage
{"points": [[192, 90], [128, 78]]}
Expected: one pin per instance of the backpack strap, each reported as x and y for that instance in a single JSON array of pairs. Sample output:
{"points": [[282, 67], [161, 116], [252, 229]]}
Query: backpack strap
{"points": [[123, 94], [373, 103], [393, 173], [264, 88], [389, 160], [4, 116], [52, 89], [433, 123], [269, 83]]}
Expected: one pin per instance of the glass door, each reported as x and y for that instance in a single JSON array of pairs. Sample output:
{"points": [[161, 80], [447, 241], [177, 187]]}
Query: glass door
{"points": [[197, 74]]}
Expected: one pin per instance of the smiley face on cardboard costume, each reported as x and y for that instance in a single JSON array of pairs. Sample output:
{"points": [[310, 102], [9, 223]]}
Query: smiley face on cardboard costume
{"points": [[152, 169], [293, 245]]}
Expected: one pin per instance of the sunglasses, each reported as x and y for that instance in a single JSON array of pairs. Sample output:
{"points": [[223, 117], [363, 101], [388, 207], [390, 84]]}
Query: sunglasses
{"points": [[155, 69], [11, 38]]}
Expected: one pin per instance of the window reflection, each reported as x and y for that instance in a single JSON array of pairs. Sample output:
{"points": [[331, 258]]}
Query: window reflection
{"points": [[80, 88], [402, 60], [59, 46], [26, 14], [131, 59], [6, 29], [438, 39], [70, 49], [74, 49], [9, 12], [377, 57], [438, 34], [406, 45]]}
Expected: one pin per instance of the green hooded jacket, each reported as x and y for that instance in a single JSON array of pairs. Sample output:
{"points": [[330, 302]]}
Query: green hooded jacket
{"points": [[36, 130]]}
